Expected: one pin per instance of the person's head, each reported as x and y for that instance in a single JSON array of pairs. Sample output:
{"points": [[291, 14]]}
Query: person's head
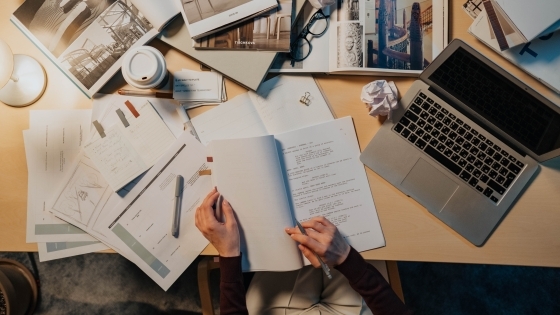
{"points": [[349, 42]]}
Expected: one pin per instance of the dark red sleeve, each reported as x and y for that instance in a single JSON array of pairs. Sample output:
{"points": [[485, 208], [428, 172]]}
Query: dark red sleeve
{"points": [[232, 290], [371, 285]]}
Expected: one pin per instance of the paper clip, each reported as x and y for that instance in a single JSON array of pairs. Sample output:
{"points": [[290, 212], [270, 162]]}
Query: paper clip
{"points": [[305, 99]]}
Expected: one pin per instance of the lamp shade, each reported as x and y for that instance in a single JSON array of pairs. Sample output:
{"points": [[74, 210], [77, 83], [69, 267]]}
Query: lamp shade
{"points": [[6, 63]]}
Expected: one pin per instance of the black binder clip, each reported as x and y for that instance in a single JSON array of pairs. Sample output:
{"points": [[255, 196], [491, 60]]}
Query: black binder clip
{"points": [[305, 99]]}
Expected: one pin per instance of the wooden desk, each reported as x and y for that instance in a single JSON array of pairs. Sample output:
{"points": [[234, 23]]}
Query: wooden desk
{"points": [[528, 235]]}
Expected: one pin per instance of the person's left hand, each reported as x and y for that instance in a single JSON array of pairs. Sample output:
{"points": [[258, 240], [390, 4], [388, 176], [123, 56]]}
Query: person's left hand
{"points": [[224, 236]]}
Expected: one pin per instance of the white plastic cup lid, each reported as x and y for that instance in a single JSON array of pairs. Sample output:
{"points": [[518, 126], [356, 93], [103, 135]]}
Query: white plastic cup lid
{"points": [[144, 67]]}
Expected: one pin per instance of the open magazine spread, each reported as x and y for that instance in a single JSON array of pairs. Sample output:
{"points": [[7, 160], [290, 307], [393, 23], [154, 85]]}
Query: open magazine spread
{"points": [[204, 17], [86, 39], [269, 31], [365, 36]]}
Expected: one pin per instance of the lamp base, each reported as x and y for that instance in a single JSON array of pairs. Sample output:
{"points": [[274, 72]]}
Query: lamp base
{"points": [[30, 84]]}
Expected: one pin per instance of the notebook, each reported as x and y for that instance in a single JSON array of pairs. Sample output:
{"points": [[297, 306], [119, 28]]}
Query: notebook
{"points": [[273, 180], [466, 140]]}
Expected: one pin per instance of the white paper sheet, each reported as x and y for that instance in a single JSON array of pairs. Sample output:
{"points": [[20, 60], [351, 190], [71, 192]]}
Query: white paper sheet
{"points": [[326, 178], [57, 250], [164, 107], [248, 174], [127, 151], [140, 226], [51, 144]]}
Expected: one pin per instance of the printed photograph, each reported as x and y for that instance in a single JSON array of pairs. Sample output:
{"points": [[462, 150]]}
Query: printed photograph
{"points": [[198, 10], [57, 23], [398, 34], [349, 10], [269, 31], [104, 42], [349, 45]]}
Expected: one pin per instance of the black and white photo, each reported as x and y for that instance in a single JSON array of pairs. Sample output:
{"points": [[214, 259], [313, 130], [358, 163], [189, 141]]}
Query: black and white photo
{"points": [[104, 42], [348, 10], [269, 31], [197, 10], [349, 45], [57, 23]]}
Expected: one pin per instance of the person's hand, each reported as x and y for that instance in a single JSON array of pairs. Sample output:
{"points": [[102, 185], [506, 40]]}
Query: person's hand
{"points": [[322, 238], [224, 236]]}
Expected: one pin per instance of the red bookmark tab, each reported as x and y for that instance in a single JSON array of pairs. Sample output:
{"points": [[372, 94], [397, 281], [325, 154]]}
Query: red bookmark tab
{"points": [[132, 109]]}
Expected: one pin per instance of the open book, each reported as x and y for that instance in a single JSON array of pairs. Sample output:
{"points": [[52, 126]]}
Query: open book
{"points": [[204, 17], [86, 39], [365, 37], [271, 181]]}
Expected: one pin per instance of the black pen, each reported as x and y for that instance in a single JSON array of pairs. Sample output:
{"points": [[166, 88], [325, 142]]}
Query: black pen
{"points": [[177, 208]]}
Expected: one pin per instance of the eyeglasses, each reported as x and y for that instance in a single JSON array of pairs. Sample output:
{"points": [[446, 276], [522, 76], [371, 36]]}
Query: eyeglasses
{"points": [[301, 47]]}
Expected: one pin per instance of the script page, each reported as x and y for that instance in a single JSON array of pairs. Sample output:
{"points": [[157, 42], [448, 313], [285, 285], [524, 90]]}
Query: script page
{"points": [[286, 103], [247, 173], [326, 178]]}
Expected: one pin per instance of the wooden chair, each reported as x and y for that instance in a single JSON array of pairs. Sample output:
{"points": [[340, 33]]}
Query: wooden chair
{"points": [[279, 16], [208, 264]]}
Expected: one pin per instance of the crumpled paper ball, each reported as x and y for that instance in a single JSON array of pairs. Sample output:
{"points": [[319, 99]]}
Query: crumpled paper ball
{"points": [[380, 97]]}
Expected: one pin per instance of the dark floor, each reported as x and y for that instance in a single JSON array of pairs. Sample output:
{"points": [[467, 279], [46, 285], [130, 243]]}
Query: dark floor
{"points": [[109, 284]]}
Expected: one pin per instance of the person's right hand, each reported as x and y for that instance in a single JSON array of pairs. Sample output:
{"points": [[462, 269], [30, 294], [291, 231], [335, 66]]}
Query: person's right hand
{"points": [[224, 236], [322, 238]]}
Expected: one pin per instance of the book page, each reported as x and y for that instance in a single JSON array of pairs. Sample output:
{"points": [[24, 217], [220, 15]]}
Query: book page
{"points": [[326, 178], [159, 12], [279, 103], [236, 118], [205, 17], [318, 60], [384, 36], [80, 37], [247, 173]]}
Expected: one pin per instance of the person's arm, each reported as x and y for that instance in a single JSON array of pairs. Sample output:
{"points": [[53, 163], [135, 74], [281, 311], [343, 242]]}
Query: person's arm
{"points": [[370, 284], [324, 239], [225, 238]]}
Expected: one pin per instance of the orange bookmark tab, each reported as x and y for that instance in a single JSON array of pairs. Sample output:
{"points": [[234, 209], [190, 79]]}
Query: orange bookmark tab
{"points": [[132, 109], [205, 172]]}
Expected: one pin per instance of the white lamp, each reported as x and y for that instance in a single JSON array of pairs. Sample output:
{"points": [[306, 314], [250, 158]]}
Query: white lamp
{"points": [[22, 78]]}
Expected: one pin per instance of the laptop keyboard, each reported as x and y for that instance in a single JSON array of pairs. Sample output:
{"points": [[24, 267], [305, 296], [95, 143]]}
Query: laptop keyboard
{"points": [[459, 147]]}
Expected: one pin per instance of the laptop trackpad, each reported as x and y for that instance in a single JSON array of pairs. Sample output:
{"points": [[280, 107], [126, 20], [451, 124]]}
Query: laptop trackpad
{"points": [[429, 186]]}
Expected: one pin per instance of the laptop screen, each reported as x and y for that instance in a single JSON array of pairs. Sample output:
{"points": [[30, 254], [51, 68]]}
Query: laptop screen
{"points": [[499, 101]]}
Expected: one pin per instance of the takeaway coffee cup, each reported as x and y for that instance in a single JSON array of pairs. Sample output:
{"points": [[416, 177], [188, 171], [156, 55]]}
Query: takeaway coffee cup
{"points": [[145, 68]]}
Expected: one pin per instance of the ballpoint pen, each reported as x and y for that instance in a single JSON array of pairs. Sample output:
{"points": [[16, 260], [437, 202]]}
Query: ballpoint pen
{"points": [[323, 265], [177, 208], [187, 124], [145, 93]]}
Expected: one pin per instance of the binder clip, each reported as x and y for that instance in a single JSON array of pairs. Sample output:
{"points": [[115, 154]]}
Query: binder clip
{"points": [[305, 99]]}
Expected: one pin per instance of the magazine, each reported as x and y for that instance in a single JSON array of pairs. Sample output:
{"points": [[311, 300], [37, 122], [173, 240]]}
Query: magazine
{"points": [[204, 17], [269, 31], [86, 39], [410, 35]]}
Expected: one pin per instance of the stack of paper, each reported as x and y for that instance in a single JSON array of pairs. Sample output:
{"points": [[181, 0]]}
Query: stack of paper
{"points": [[197, 88], [539, 57]]}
